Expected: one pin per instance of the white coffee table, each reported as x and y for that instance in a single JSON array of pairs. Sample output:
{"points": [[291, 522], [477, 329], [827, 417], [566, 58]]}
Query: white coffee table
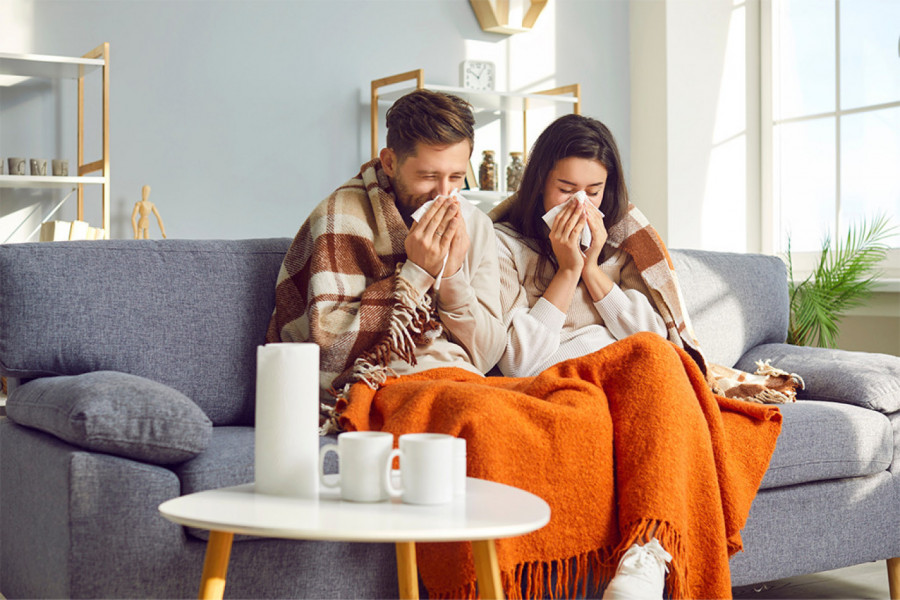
{"points": [[488, 511]]}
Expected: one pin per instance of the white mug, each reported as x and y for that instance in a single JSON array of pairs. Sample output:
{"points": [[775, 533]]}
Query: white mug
{"points": [[361, 456], [459, 466], [426, 468]]}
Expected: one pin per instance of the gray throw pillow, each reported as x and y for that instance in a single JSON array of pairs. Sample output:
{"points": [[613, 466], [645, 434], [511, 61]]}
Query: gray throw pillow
{"points": [[116, 413], [864, 379]]}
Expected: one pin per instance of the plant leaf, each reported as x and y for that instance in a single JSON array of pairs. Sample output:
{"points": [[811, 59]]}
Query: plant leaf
{"points": [[842, 279]]}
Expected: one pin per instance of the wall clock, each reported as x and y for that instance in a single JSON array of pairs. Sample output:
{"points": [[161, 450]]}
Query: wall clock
{"points": [[477, 74]]}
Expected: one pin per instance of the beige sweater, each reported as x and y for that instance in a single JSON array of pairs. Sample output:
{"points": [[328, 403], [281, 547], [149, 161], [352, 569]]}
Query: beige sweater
{"points": [[467, 306], [540, 335]]}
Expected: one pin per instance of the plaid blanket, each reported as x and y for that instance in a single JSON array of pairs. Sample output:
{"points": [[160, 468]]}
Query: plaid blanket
{"points": [[339, 287], [634, 235]]}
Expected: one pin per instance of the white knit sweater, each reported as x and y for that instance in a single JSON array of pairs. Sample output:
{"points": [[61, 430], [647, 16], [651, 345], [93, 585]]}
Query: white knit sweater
{"points": [[539, 335]]}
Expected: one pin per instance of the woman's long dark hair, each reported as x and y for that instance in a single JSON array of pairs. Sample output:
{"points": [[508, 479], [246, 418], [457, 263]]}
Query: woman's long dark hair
{"points": [[570, 135]]}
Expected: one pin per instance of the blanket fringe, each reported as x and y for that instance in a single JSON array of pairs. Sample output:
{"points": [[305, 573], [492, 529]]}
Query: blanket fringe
{"points": [[765, 368], [668, 537], [583, 575], [412, 322], [587, 574]]}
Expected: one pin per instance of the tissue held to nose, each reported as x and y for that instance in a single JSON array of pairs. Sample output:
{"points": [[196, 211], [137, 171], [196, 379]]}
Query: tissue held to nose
{"points": [[581, 198], [465, 208]]}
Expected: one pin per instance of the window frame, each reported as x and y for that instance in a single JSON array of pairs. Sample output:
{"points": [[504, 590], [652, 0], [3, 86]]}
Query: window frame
{"points": [[804, 262]]}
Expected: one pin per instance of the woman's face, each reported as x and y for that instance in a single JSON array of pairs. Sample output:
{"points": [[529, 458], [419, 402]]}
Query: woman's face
{"points": [[572, 174]]}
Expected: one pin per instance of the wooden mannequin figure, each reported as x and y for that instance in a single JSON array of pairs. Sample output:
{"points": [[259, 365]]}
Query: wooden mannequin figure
{"points": [[145, 207]]}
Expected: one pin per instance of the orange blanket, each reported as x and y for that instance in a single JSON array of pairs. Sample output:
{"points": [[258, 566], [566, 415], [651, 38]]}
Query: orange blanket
{"points": [[618, 441]]}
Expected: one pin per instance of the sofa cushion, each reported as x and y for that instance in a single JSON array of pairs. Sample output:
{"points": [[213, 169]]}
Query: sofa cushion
{"points": [[735, 301], [229, 460], [824, 440], [861, 378], [187, 313], [116, 413]]}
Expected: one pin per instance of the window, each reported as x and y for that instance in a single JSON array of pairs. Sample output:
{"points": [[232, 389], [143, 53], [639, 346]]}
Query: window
{"points": [[833, 106]]}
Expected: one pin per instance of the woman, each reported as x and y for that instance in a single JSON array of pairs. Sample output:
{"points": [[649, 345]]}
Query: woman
{"points": [[566, 295], [562, 300]]}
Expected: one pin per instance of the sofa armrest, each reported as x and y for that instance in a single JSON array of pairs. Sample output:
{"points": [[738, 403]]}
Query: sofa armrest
{"points": [[64, 511], [864, 379], [115, 413]]}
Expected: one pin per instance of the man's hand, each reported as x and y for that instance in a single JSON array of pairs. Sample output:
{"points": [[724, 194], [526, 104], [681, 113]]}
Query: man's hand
{"points": [[433, 237]]}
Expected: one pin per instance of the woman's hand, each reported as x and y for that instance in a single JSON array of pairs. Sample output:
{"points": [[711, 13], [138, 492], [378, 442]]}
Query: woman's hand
{"points": [[598, 283], [598, 237], [565, 237]]}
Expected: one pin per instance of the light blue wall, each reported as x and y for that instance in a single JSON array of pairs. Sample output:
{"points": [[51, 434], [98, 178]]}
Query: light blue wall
{"points": [[242, 115]]}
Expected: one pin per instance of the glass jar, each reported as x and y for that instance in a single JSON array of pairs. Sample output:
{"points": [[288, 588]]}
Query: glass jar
{"points": [[514, 172], [487, 172]]}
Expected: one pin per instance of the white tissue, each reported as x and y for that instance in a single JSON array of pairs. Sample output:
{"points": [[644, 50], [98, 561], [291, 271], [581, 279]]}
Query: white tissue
{"points": [[581, 198], [465, 208], [287, 420]]}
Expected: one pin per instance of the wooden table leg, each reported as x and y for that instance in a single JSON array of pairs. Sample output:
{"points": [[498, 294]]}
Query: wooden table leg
{"points": [[407, 571], [487, 570], [215, 565], [893, 569]]}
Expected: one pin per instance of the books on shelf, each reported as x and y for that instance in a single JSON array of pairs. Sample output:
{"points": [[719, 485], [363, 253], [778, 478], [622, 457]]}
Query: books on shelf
{"points": [[78, 230], [55, 231]]}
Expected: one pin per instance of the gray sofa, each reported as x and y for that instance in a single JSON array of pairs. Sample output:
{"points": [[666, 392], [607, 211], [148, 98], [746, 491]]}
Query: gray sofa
{"points": [[79, 522]]}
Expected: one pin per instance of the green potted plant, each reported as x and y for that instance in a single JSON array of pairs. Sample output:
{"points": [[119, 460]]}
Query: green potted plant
{"points": [[842, 279]]}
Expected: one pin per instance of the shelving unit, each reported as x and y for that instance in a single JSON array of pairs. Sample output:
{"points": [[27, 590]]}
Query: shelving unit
{"points": [[488, 105], [78, 68]]}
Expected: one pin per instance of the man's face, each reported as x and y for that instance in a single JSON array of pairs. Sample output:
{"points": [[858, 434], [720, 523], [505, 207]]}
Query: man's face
{"points": [[428, 172]]}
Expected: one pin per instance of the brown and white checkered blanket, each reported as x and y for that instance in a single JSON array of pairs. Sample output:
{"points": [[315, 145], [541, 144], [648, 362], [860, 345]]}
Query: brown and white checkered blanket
{"points": [[339, 287]]}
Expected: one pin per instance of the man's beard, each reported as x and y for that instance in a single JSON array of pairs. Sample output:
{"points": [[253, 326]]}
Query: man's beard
{"points": [[407, 204]]}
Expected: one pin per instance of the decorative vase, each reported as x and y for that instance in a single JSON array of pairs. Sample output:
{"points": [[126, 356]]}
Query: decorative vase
{"points": [[487, 172], [514, 172]]}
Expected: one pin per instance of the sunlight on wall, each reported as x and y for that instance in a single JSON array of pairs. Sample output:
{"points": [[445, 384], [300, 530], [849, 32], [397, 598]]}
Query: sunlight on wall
{"points": [[725, 195], [525, 62], [15, 32], [19, 224]]}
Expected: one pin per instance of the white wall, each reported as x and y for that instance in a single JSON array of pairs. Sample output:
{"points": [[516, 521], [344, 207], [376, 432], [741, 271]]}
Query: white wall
{"points": [[695, 120], [242, 115]]}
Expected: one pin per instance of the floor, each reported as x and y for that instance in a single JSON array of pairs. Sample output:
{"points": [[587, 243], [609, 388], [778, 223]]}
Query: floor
{"points": [[868, 580], [864, 581]]}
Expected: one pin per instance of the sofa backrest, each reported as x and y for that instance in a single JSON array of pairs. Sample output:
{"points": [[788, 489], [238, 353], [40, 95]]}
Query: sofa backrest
{"points": [[190, 313], [735, 301], [186, 313]]}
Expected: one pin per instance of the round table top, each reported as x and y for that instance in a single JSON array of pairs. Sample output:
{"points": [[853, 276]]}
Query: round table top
{"points": [[488, 510]]}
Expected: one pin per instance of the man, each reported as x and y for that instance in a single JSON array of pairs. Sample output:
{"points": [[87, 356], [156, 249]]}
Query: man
{"points": [[381, 293]]}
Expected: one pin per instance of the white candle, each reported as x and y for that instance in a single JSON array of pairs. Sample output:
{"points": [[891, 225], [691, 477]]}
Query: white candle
{"points": [[287, 420]]}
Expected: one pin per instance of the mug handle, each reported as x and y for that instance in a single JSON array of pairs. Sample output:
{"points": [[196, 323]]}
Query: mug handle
{"points": [[388, 485], [322, 452]]}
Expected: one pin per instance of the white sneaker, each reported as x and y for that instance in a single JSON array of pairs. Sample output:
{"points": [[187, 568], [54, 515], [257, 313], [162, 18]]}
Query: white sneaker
{"points": [[641, 573]]}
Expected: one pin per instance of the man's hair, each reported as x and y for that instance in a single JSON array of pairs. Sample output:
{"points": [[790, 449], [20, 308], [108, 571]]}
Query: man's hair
{"points": [[433, 118]]}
